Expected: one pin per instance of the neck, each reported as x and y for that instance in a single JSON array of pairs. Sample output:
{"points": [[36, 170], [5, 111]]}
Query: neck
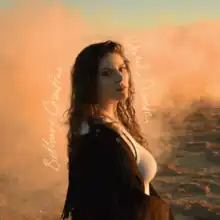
{"points": [[108, 109]]}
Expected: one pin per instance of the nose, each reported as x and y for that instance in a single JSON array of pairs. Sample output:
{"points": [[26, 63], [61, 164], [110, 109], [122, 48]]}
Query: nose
{"points": [[119, 77]]}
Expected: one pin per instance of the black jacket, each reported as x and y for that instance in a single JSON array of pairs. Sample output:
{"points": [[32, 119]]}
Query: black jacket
{"points": [[105, 183]]}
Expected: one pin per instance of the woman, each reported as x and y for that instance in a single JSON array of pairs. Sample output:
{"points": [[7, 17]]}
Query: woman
{"points": [[109, 168]]}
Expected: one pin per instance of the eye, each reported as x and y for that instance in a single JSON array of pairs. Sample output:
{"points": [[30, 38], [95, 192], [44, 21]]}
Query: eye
{"points": [[106, 73], [122, 69]]}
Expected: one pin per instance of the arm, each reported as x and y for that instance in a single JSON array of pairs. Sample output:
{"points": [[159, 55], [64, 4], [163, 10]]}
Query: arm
{"points": [[99, 176]]}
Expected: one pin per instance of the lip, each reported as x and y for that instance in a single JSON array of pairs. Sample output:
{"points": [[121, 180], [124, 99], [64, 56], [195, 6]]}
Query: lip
{"points": [[122, 87]]}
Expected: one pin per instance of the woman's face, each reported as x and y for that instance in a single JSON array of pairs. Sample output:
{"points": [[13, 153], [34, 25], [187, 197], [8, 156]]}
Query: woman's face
{"points": [[113, 78]]}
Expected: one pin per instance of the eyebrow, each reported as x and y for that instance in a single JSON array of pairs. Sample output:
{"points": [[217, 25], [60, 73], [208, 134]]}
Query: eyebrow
{"points": [[123, 64], [107, 68]]}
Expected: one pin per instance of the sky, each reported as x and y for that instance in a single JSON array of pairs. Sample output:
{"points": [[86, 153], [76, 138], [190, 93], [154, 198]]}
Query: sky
{"points": [[138, 14], [146, 13]]}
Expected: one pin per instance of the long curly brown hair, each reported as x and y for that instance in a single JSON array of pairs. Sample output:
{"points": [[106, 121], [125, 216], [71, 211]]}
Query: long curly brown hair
{"points": [[83, 98]]}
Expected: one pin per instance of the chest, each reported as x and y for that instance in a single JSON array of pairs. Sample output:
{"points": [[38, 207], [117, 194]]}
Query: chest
{"points": [[146, 163]]}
